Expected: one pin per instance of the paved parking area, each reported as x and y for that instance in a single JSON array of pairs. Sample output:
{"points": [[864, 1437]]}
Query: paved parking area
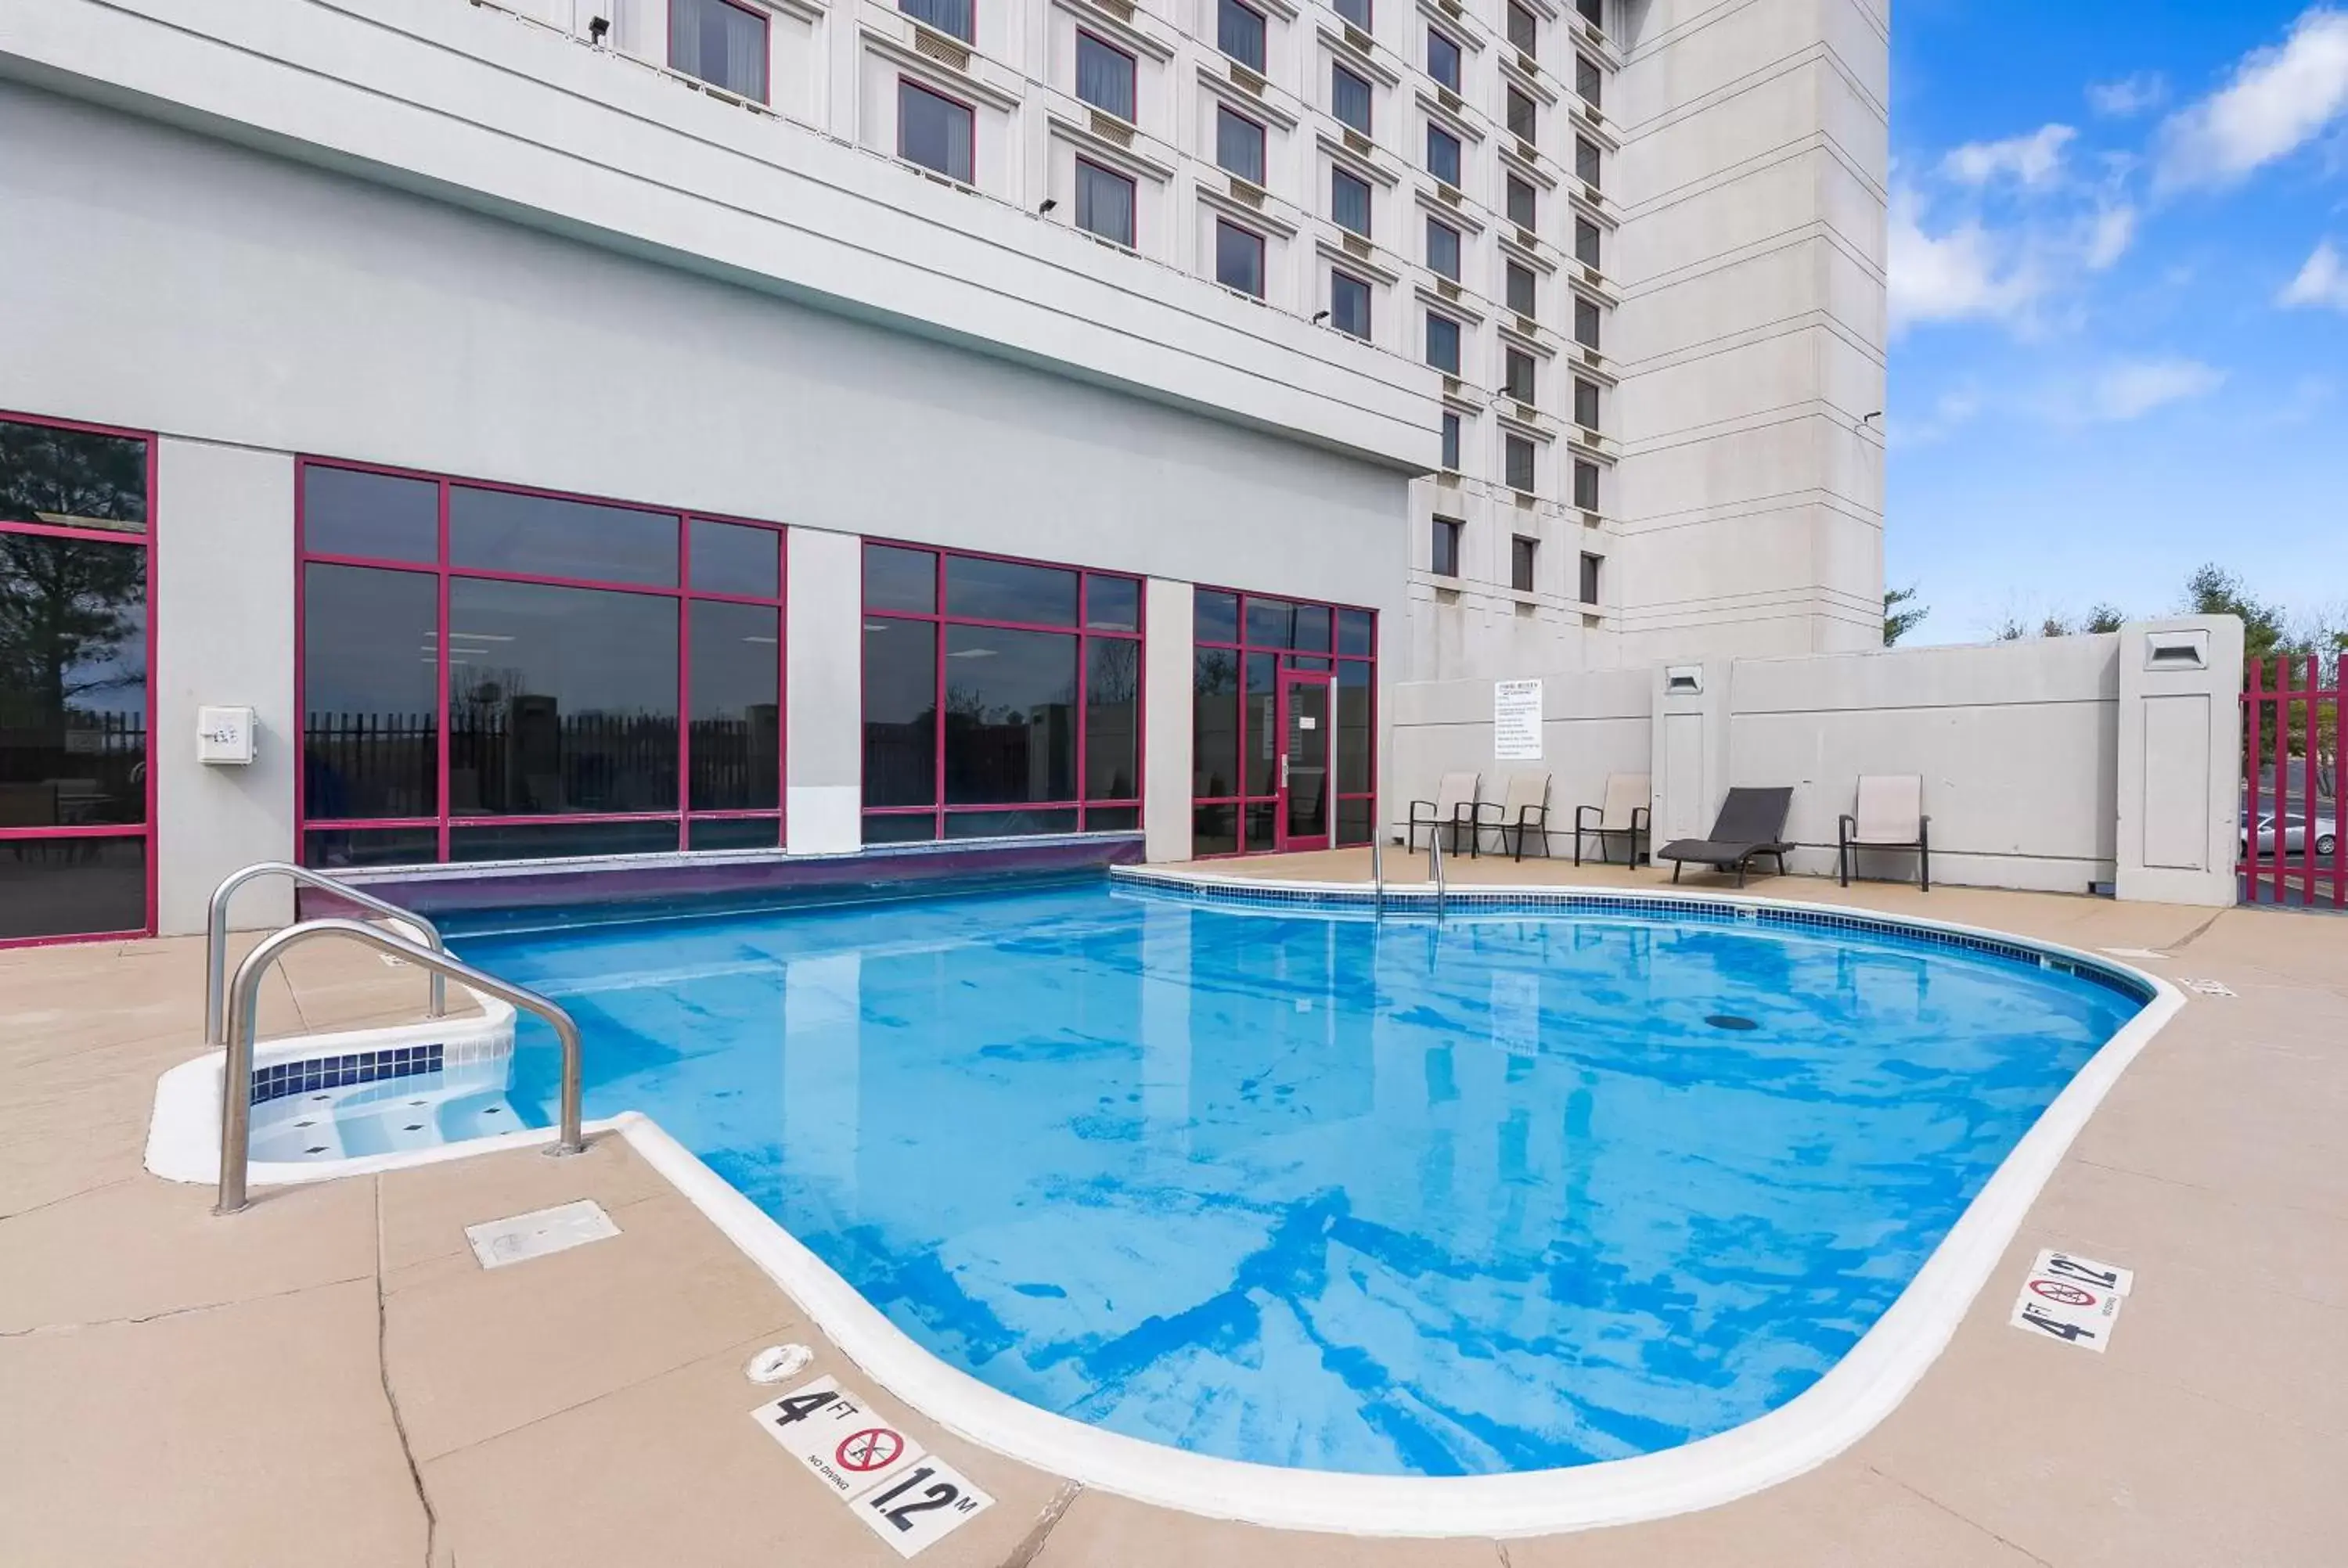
{"points": [[331, 1377]]}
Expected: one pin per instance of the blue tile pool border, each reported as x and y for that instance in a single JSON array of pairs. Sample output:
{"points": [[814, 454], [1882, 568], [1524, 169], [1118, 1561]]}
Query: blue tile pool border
{"points": [[307, 1076]]}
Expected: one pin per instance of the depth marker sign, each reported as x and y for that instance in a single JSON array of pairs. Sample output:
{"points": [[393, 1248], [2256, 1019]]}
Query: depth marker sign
{"points": [[2072, 1298], [908, 1498]]}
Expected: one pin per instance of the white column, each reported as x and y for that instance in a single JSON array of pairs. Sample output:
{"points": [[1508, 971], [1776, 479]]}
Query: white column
{"points": [[1166, 724], [823, 749], [1690, 748], [2180, 759], [223, 621]]}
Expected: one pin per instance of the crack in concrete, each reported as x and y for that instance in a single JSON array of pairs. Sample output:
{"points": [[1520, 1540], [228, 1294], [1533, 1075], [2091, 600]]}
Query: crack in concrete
{"points": [[62, 1198], [40, 1329], [1031, 1546], [2190, 936], [1501, 1548], [391, 1397], [1927, 1497]]}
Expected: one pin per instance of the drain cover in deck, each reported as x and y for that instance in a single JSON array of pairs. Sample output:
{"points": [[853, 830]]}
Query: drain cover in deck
{"points": [[524, 1237]]}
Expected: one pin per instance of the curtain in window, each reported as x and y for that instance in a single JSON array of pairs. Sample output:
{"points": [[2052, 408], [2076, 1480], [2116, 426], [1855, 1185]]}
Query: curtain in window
{"points": [[946, 15], [720, 43], [1103, 203], [1104, 77]]}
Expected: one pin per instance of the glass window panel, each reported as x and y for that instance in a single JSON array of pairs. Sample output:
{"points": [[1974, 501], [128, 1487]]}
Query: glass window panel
{"points": [[1353, 821], [1260, 820], [1263, 739], [736, 833], [719, 42], [1593, 11], [73, 683], [900, 580], [1353, 736], [553, 840], [1443, 59], [544, 536], [1517, 460], [1271, 623], [1516, 375], [1112, 719], [953, 16], [1010, 715], [1588, 81], [1349, 304], [1523, 290], [1443, 550], [1585, 403], [1451, 442], [1521, 555], [72, 886], [1214, 722], [1585, 324], [1349, 201], [1112, 819], [1443, 343], [1112, 603], [1349, 99], [1443, 249], [1239, 259], [560, 700], [346, 512], [72, 478], [333, 848], [1356, 631], [1590, 566], [985, 590], [732, 557], [1585, 242], [1298, 662], [1239, 33], [1357, 11], [1585, 485], [1104, 75], [1103, 203], [1585, 160], [1443, 155], [1215, 830], [1009, 823], [917, 828], [1523, 203], [1214, 616], [933, 131], [370, 692], [1313, 628], [736, 685], [1524, 30], [1239, 145], [900, 712]]}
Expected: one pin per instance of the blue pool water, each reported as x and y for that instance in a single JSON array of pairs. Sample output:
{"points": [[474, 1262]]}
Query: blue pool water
{"points": [[1522, 1191]]}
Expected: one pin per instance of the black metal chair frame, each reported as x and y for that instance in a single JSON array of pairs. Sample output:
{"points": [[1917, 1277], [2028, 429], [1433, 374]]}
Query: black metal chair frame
{"points": [[1848, 846], [1642, 821], [1463, 817], [1527, 817]]}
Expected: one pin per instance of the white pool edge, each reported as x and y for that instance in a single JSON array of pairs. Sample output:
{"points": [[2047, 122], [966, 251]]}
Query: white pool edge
{"points": [[1853, 1397]]}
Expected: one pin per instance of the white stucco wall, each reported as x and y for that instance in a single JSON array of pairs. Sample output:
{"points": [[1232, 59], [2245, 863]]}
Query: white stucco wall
{"points": [[1594, 723], [823, 718]]}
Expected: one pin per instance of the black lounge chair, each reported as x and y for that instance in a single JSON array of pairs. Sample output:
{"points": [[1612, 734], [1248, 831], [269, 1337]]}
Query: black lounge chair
{"points": [[1752, 822]]}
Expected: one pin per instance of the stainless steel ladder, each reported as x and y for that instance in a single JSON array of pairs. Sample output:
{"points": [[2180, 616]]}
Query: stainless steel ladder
{"points": [[239, 1013]]}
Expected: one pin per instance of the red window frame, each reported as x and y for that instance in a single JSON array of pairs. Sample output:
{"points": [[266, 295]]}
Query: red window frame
{"points": [[919, 86], [939, 808], [1132, 75], [766, 31], [145, 543], [1285, 660], [1263, 144], [1131, 239], [1369, 95], [446, 822]]}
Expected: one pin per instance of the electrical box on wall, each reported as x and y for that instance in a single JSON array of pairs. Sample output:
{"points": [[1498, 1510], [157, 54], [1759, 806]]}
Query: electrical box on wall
{"points": [[224, 736]]}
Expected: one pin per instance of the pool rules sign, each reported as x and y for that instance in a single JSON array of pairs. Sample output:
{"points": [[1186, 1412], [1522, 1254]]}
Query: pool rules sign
{"points": [[908, 1498], [1517, 721]]}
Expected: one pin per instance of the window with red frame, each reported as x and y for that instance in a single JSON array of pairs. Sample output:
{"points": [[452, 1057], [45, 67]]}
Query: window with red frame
{"points": [[1001, 697], [77, 796], [494, 674], [1241, 643], [721, 42]]}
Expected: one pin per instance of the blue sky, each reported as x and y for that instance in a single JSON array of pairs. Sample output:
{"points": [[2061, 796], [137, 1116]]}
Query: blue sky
{"points": [[2119, 262]]}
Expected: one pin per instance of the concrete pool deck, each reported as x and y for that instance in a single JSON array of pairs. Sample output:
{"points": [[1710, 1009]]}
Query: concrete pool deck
{"points": [[331, 1377]]}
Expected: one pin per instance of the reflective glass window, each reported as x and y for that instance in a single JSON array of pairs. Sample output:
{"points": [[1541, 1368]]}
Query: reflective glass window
{"points": [[1009, 715], [898, 578], [981, 589], [72, 478], [550, 536], [1214, 722], [73, 683], [1214, 616], [737, 694], [370, 692], [350, 512], [900, 713], [733, 558], [1112, 603], [1112, 718]]}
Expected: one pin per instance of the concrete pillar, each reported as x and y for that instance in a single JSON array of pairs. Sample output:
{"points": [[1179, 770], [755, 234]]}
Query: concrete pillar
{"points": [[1690, 742], [222, 620], [823, 749], [1165, 720], [2180, 759]]}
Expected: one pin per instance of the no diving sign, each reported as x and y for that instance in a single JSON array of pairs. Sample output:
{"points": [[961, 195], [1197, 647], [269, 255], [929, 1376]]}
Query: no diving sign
{"points": [[2072, 1298], [907, 1497]]}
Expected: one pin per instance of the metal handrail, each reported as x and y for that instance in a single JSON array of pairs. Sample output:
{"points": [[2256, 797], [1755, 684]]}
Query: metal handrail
{"points": [[236, 1072], [1434, 868], [1378, 871], [216, 935]]}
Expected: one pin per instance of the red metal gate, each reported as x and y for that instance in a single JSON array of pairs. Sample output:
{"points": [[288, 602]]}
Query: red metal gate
{"points": [[2291, 849]]}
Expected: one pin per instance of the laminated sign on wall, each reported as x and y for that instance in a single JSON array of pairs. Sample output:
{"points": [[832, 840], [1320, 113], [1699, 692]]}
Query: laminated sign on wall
{"points": [[1517, 721]]}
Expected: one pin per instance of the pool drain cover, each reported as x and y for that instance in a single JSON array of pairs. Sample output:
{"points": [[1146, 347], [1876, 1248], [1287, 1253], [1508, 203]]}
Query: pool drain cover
{"points": [[1730, 1020]]}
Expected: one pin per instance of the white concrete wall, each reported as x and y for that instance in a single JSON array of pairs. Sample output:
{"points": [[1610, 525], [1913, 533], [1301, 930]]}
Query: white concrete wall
{"points": [[1168, 616], [823, 714], [223, 599]]}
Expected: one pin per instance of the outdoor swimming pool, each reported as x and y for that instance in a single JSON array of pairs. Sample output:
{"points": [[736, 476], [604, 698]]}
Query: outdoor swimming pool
{"points": [[1527, 1189]]}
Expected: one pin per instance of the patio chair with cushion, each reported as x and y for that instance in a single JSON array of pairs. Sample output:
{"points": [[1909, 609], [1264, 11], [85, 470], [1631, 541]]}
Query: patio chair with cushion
{"points": [[1523, 807], [1890, 815], [1625, 814], [1453, 806], [1752, 823]]}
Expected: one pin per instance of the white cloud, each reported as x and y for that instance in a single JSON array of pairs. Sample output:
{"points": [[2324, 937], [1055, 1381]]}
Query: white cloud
{"points": [[2033, 160], [2108, 236], [2128, 98], [2133, 388], [1950, 413], [2281, 97], [2322, 283], [1963, 274]]}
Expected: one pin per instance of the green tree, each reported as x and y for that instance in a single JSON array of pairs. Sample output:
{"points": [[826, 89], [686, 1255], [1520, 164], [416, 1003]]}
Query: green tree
{"points": [[2105, 618], [2213, 590], [1901, 614]]}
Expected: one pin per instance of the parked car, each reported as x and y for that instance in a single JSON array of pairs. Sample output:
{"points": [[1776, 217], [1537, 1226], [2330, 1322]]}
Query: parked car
{"points": [[2295, 835]]}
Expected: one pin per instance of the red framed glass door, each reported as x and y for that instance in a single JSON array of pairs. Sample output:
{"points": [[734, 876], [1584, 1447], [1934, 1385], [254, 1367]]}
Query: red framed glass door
{"points": [[1302, 815]]}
